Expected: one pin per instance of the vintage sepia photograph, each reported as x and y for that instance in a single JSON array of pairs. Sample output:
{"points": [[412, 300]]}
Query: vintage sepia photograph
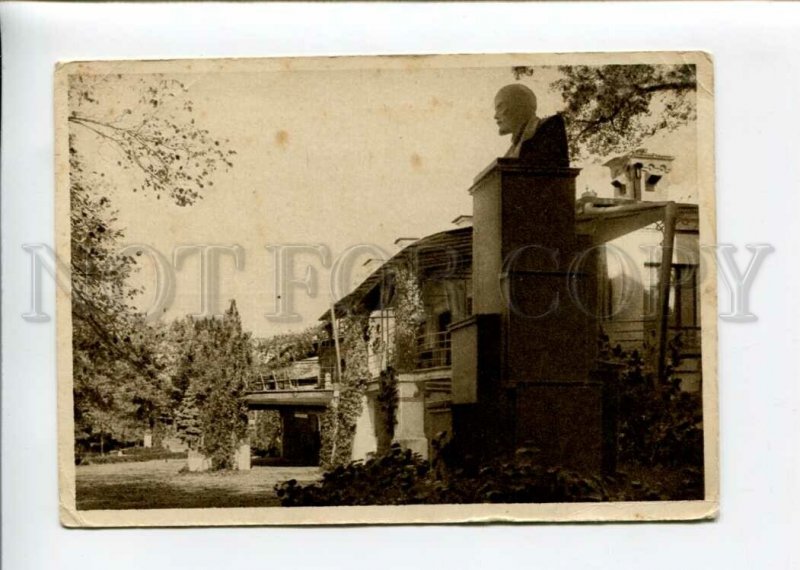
{"points": [[411, 289]]}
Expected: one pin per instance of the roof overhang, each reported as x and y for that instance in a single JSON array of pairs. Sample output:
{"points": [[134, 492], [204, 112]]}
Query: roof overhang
{"points": [[289, 398], [606, 219]]}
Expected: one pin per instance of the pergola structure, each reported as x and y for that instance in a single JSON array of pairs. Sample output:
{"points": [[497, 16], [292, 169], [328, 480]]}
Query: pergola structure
{"points": [[606, 219]]}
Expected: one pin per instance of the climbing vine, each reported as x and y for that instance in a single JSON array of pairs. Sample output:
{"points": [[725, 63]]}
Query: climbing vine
{"points": [[409, 314], [281, 350], [358, 337], [387, 399], [399, 349], [338, 424]]}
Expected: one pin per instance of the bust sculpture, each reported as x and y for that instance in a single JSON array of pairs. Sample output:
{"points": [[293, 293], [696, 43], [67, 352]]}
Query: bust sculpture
{"points": [[535, 141]]}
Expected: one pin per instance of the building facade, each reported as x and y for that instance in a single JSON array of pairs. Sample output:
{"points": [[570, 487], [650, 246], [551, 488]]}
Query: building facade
{"points": [[637, 245]]}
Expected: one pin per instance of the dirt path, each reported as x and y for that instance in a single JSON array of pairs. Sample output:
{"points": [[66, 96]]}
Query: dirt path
{"points": [[160, 485]]}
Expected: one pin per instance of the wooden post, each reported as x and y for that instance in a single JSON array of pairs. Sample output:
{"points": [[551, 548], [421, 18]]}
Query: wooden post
{"points": [[335, 327], [664, 278], [335, 399], [335, 434]]}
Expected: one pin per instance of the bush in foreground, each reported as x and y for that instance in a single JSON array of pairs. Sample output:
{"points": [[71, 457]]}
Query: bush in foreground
{"points": [[401, 477]]}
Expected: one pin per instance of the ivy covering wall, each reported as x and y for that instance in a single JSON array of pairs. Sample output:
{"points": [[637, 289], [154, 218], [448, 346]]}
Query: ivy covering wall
{"points": [[338, 423], [358, 337], [409, 314]]}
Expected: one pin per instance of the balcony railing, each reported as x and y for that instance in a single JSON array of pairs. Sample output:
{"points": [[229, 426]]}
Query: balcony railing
{"points": [[433, 350], [277, 381], [635, 334]]}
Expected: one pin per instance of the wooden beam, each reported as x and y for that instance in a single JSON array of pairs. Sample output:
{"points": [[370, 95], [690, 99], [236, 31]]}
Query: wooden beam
{"points": [[664, 278]]}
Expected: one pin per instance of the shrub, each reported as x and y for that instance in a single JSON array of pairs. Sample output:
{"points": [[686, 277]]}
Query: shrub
{"points": [[397, 478], [658, 422], [401, 477]]}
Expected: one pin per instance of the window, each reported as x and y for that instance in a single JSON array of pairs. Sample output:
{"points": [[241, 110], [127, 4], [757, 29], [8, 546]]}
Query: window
{"points": [[650, 183]]}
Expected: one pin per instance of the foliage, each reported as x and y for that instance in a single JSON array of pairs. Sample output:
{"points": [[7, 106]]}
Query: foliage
{"points": [[99, 275], [279, 351], [661, 446], [387, 399], [155, 134], [122, 367], [399, 348], [396, 478], [266, 437], [658, 422], [224, 415], [113, 400], [520, 479], [338, 423], [409, 314], [401, 477], [614, 108], [115, 376], [188, 425], [212, 417]]}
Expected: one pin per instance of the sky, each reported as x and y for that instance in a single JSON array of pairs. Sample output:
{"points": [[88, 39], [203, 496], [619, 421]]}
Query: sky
{"points": [[339, 157]]}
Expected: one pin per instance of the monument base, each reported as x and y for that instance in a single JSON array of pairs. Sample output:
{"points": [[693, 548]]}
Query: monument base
{"points": [[563, 422]]}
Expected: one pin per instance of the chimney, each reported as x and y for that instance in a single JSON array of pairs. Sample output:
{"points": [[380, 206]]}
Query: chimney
{"points": [[463, 221], [403, 242], [372, 264], [639, 176]]}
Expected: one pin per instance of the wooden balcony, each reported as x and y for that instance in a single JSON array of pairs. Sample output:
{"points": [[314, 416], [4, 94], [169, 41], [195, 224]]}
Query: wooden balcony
{"points": [[433, 351]]}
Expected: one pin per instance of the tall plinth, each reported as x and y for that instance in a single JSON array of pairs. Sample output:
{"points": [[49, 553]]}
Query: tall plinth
{"points": [[522, 362]]}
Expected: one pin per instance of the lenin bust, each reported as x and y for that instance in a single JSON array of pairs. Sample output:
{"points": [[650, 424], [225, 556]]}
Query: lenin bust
{"points": [[535, 141]]}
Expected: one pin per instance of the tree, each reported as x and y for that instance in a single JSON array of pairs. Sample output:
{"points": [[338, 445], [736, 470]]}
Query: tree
{"points": [[114, 401], [614, 108], [156, 137], [228, 366], [187, 396], [117, 371], [211, 379]]}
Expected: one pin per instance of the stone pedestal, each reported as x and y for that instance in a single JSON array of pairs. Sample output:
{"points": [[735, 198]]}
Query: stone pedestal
{"points": [[563, 421], [365, 442], [521, 365], [409, 431], [242, 457], [197, 461]]}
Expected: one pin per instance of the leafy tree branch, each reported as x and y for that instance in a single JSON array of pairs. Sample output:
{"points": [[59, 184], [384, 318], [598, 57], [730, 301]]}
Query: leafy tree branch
{"points": [[615, 108]]}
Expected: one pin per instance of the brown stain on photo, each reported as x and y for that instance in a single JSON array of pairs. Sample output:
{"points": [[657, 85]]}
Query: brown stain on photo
{"points": [[440, 104], [282, 138], [416, 161]]}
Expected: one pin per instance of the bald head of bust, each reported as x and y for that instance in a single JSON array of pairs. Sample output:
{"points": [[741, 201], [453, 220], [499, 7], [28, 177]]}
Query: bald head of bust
{"points": [[514, 107]]}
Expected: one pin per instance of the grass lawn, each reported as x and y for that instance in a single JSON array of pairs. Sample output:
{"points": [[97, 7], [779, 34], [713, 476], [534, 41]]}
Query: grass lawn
{"points": [[160, 485]]}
